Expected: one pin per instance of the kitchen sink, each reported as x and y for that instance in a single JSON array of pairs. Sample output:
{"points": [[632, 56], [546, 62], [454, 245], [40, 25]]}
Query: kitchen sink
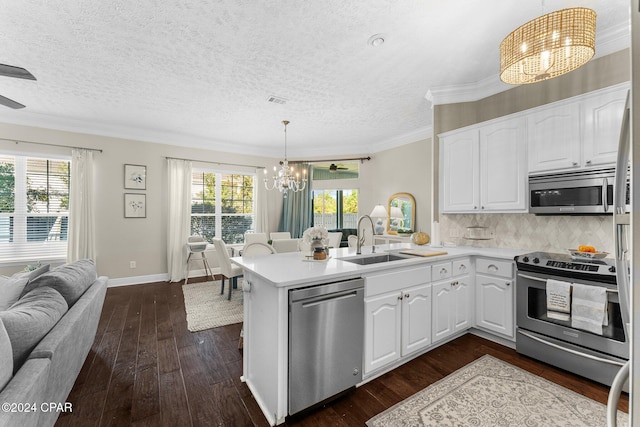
{"points": [[373, 259]]}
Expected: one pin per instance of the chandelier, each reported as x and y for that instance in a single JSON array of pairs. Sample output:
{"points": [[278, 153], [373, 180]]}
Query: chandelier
{"points": [[286, 179], [548, 46]]}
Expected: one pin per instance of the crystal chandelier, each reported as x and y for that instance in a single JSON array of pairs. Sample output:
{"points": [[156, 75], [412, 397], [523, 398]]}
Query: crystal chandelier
{"points": [[549, 46], [286, 179]]}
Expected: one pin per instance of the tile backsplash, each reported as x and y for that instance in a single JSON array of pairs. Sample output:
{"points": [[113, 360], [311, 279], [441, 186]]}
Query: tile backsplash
{"points": [[555, 233]]}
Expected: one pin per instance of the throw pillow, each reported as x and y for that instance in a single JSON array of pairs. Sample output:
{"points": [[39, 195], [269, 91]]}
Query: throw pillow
{"points": [[32, 274], [30, 319], [6, 357], [71, 280], [10, 290]]}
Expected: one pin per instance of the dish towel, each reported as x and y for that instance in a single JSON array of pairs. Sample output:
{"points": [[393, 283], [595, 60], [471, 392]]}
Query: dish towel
{"points": [[558, 299], [589, 308]]}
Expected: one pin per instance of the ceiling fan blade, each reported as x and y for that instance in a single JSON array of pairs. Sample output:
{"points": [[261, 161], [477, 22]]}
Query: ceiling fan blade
{"points": [[17, 72], [10, 103]]}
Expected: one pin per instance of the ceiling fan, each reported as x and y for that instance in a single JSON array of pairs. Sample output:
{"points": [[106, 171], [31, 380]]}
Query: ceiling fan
{"points": [[333, 168], [18, 73]]}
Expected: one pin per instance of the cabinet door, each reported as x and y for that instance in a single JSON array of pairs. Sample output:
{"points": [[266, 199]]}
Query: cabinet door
{"points": [[416, 318], [602, 117], [462, 307], [494, 304], [553, 135], [503, 166], [459, 172], [382, 330], [442, 296]]}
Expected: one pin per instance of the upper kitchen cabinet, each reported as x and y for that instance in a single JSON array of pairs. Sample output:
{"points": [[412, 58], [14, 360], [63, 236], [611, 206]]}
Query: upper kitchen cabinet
{"points": [[554, 138], [602, 119], [580, 132], [483, 168]]}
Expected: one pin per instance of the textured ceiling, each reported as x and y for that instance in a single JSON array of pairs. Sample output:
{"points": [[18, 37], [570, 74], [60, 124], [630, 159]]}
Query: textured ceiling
{"points": [[199, 73]]}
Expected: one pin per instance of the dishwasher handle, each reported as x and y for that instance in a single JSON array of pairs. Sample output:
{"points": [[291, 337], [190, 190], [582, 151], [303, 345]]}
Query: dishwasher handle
{"points": [[321, 299]]}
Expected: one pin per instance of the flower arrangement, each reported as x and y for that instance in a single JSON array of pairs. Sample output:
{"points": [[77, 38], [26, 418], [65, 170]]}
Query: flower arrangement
{"points": [[317, 232]]}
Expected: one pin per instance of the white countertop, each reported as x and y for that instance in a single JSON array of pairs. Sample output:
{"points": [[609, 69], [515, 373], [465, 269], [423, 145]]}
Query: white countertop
{"points": [[291, 269]]}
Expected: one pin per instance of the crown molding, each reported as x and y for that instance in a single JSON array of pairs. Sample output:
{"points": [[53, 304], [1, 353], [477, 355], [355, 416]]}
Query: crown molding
{"points": [[614, 40]]}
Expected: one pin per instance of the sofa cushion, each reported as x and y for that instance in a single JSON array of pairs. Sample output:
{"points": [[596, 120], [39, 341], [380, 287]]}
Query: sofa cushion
{"points": [[71, 280], [30, 319], [10, 290], [6, 357]]}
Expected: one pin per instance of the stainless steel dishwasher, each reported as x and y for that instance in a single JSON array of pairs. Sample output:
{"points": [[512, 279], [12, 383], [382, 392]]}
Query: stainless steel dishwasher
{"points": [[326, 334]]}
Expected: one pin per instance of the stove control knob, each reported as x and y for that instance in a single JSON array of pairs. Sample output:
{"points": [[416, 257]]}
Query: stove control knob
{"points": [[612, 269], [536, 260], [525, 259]]}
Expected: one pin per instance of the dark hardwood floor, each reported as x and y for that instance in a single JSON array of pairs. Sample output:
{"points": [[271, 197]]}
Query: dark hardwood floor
{"points": [[146, 369]]}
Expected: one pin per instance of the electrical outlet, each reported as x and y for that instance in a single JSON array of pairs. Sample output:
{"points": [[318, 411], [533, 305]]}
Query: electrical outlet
{"points": [[132, 264]]}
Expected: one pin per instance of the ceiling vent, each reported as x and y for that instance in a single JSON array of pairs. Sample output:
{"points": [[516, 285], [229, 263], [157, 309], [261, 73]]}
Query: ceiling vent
{"points": [[276, 100]]}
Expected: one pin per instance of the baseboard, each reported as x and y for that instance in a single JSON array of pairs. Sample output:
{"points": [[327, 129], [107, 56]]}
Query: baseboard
{"points": [[150, 278], [136, 280]]}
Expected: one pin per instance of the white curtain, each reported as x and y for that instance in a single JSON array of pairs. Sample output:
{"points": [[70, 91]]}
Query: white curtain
{"points": [[81, 239], [262, 204], [179, 179]]}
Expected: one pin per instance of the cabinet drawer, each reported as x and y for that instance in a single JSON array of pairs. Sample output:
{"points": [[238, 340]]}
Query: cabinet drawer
{"points": [[441, 270], [395, 280], [494, 267], [460, 267]]}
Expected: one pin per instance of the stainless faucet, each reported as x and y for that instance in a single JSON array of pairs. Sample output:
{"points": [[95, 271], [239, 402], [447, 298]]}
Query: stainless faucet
{"points": [[361, 239]]}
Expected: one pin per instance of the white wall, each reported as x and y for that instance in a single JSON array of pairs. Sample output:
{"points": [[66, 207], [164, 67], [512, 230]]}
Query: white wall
{"points": [[120, 240]]}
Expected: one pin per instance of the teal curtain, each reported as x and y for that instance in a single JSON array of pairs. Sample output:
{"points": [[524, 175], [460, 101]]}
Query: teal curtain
{"points": [[296, 210]]}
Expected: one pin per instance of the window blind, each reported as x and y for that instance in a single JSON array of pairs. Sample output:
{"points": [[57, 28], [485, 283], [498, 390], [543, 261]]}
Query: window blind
{"points": [[34, 209]]}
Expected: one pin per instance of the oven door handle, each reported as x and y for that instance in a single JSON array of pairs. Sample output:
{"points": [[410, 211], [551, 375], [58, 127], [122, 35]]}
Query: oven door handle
{"points": [[526, 276], [568, 350]]}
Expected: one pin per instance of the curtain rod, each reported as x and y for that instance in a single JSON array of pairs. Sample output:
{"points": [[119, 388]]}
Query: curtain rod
{"points": [[362, 159], [217, 163], [17, 141]]}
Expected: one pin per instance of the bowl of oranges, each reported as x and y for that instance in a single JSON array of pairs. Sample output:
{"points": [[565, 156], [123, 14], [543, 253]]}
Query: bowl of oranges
{"points": [[587, 252]]}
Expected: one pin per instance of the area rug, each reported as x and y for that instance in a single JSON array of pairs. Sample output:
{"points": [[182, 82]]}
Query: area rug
{"points": [[490, 392], [207, 309]]}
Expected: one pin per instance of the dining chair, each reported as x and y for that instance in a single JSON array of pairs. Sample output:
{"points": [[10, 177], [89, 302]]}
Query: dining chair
{"points": [[197, 245], [255, 237], [352, 241], [228, 270], [334, 239], [277, 235], [257, 248], [286, 245]]}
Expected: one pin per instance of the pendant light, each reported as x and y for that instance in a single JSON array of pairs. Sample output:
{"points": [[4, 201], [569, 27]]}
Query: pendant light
{"points": [[286, 179], [549, 46]]}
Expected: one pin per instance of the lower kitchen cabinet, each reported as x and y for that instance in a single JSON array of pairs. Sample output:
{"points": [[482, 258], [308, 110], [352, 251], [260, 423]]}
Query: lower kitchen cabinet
{"points": [[452, 300], [396, 324], [494, 296]]}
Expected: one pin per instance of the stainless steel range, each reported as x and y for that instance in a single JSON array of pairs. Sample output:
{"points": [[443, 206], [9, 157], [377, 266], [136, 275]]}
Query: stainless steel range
{"points": [[553, 340]]}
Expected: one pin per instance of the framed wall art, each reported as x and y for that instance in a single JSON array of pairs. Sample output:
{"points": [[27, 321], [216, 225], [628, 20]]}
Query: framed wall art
{"points": [[135, 205], [135, 177]]}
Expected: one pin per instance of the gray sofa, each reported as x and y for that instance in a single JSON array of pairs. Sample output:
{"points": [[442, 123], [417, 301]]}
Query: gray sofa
{"points": [[45, 337]]}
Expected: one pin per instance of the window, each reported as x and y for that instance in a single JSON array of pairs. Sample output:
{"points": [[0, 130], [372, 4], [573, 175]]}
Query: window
{"points": [[34, 208], [335, 209], [222, 205]]}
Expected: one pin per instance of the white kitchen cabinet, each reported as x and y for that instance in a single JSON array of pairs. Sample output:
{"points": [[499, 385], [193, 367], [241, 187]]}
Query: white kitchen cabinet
{"points": [[398, 321], [494, 296], [452, 299], [602, 119], [483, 168], [553, 135], [459, 171], [503, 166], [578, 133], [386, 239]]}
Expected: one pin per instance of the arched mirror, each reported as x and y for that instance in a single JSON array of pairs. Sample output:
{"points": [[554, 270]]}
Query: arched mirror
{"points": [[402, 213]]}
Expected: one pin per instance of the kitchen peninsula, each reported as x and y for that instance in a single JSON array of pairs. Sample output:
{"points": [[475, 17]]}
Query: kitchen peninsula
{"points": [[412, 304]]}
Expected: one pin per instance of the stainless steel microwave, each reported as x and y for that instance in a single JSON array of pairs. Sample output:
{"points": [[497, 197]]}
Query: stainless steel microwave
{"points": [[575, 192]]}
